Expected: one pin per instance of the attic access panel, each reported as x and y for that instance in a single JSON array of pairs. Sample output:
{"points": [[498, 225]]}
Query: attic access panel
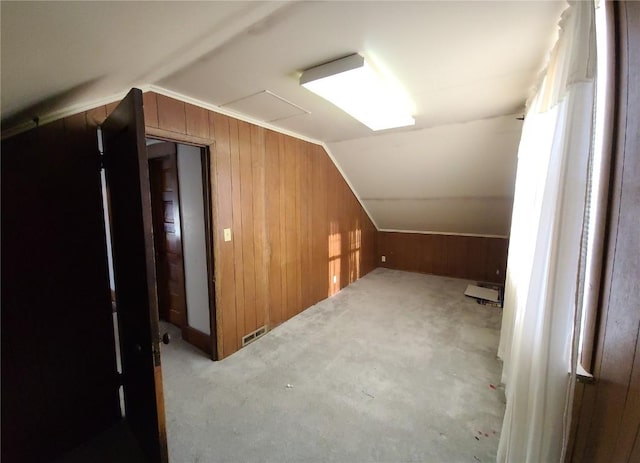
{"points": [[265, 106]]}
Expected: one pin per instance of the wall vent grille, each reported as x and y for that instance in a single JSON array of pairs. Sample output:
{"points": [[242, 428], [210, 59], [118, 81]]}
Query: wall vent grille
{"points": [[253, 336]]}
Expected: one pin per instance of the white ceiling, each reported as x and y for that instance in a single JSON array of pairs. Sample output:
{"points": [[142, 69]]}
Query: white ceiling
{"points": [[465, 66]]}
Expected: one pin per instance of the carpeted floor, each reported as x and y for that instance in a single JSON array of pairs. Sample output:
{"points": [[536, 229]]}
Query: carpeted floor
{"points": [[396, 367]]}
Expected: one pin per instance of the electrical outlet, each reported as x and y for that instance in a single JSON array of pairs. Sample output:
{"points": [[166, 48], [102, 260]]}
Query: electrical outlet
{"points": [[227, 234], [335, 279], [384, 258]]}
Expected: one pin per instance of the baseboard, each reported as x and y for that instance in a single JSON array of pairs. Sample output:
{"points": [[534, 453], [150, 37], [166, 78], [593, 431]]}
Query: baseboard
{"points": [[197, 338]]}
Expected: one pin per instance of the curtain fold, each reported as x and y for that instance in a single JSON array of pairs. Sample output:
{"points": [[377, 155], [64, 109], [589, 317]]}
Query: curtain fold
{"points": [[549, 202]]}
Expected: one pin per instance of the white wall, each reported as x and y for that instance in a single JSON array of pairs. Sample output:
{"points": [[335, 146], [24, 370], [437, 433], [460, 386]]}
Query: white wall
{"points": [[456, 178], [193, 237]]}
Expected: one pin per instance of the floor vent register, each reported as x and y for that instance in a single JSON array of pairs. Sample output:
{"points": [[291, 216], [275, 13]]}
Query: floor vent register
{"points": [[253, 336]]}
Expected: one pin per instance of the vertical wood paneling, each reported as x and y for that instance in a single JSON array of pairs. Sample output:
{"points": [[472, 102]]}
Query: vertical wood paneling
{"points": [[319, 229], [304, 206], [427, 259], [351, 235], [272, 185], [283, 218], [495, 268], [248, 244], [343, 228], [58, 358], [76, 123], [475, 250], [366, 260], [150, 106], [226, 300], [449, 255], [171, 114], [292, 227], [440, 257], [343, 217], [355, 237], [334, 240], [368, 234], [298, 250], [283, 199], [236, 231], [259, 232], [197, 121]]}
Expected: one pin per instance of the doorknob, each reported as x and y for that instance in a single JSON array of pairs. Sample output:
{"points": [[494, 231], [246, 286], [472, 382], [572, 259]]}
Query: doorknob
{"points": [[166, 338]]}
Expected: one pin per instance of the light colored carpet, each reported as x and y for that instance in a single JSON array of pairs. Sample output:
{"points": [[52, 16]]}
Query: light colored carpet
{"points": [[396, 367]]}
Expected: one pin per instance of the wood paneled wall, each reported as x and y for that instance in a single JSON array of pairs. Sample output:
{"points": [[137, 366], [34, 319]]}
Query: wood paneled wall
{"points": [[295, 223], [607, 413], [470, 257], [59, 375]]}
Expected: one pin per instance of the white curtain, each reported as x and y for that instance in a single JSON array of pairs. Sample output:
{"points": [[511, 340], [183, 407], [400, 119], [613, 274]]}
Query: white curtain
{"points": [[538, 319]]}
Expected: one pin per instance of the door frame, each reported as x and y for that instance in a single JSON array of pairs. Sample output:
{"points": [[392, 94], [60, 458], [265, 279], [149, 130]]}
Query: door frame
{"points": [[207, 146], [158, 157]]}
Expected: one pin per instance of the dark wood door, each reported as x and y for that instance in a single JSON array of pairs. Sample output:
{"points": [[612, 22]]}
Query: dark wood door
{"points": [[59, 375], [128, 187], [165, 202]]}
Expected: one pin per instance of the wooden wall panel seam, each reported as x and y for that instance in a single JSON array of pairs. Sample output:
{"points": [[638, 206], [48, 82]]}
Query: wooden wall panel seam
{"points": [[248, 245], [283, 230], [237, 226], [258, 177]]}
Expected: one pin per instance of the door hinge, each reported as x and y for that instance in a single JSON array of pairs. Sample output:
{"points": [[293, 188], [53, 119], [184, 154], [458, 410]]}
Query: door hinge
{"points": [[101, 160], [120, 378], [156, 354]]}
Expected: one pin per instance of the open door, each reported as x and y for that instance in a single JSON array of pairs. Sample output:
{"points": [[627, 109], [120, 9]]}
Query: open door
{"points": [[163, 171], [59, 376], [127, 174]]}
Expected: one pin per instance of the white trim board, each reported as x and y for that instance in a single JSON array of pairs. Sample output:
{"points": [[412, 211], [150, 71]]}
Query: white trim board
{"points": [[58, 114], [422, 232]]}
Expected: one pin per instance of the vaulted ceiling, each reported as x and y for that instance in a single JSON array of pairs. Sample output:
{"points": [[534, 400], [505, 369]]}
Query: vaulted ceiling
{"points": [[468, 68]]}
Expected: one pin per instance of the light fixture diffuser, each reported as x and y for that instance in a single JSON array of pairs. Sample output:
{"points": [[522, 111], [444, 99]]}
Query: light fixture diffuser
{"points": [[350, 84]]}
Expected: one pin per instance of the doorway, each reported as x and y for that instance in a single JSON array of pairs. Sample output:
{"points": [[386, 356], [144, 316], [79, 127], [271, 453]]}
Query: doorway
{"points": [[179, 187]]}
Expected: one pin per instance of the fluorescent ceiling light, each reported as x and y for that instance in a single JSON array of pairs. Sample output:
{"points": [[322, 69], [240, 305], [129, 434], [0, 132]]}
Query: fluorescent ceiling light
{"points": [[351, 85]]}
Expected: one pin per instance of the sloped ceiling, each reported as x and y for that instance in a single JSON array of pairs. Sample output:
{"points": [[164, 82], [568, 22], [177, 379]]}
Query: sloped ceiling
{"points": [[468, 68]]}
